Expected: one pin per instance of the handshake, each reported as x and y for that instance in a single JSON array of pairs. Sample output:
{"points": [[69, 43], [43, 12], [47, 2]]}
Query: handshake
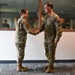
{"points": [[34, 31]]}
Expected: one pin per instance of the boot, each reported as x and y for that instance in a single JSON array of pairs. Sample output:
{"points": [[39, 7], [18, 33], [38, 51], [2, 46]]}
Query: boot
{"points": [[49, 69], [20, 68], [47, 66]]}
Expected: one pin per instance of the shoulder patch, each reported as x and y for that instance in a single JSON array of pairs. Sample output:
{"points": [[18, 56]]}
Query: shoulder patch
{"points": [[57, 17]]}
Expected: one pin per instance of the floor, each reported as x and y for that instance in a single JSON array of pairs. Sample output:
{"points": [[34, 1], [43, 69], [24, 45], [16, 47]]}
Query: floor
{"points": [[37, 69]]}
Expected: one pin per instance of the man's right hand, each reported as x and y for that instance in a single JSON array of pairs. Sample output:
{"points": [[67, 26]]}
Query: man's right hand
{"points": [[37, 31]]}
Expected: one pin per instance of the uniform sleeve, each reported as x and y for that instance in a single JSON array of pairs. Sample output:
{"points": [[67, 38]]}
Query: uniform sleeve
{"points": [[58, 28], [28, 29], [26, 26], [42, 26]]}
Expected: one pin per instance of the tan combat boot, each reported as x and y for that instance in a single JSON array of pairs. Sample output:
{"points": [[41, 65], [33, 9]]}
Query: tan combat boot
{"points": [[47, 66], [50, 69], [20, 68]]}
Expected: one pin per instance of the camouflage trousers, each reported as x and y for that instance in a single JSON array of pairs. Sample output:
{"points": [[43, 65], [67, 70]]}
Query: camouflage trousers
{"points": [[50, 49], [20, 52]]}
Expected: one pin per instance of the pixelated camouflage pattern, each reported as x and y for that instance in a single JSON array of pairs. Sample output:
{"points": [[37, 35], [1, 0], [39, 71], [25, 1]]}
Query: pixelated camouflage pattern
{"points": [[20, 39], [52, 31], [20, 52], [21, 32]]}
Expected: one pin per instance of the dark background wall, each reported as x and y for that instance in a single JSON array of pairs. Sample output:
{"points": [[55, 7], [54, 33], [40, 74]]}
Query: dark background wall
{"points": [[12, 15], [70, 16]]}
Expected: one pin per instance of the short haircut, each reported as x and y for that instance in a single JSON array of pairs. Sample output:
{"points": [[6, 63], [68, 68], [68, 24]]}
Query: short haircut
{"points": [[49, 4], [22, 11]]}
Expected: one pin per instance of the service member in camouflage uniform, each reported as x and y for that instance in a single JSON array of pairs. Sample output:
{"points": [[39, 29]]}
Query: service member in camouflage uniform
{"points": [[22, 28], [53, 30]]}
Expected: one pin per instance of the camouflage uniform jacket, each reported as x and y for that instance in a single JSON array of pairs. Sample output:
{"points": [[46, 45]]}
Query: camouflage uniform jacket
{"points": [[21, 31], [52, 27]]}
